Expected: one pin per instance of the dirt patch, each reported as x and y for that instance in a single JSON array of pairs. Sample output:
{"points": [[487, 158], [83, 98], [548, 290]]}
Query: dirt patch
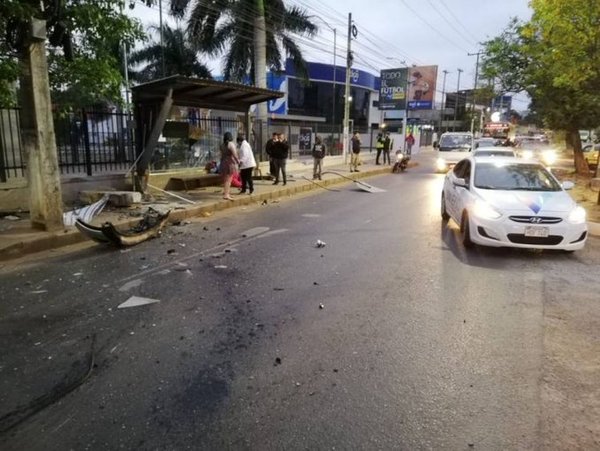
{"points": [[583, 194]]}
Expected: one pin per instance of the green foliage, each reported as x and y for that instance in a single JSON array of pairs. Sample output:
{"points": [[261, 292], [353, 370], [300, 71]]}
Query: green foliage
{"points": [[555, 58], [181, 58], [82, 37], [226, 27]]}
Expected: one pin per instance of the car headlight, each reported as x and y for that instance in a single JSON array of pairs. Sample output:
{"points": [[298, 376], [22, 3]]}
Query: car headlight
{"points": [[484, 210], [577, 215], [549, 157], [440, 164], [527, 154]]}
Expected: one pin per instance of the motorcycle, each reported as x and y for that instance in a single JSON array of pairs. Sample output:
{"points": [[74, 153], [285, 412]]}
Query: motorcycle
{"points": [[401, 162]]}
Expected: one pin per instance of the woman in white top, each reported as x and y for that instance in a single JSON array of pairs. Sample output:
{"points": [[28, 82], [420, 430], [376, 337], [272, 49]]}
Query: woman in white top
{"points": [[247, 164]]}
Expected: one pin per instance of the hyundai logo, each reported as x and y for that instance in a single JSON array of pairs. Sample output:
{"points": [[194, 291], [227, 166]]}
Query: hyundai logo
{"points": [[535, 220]]}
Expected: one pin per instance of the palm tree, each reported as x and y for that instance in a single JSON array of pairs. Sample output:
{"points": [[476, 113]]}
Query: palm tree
{"points": [[226, 27], [180, 58]]}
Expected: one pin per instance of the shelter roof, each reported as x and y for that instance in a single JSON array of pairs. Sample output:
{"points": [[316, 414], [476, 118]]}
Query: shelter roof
{"points": [[203, 93]]}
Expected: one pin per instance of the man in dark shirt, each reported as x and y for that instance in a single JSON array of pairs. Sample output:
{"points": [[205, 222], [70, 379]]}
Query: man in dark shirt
{"points": [[269, 151], [354, 157], [280, 152]]}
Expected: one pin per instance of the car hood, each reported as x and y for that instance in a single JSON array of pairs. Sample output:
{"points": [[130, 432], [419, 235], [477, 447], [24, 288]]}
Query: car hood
{"points": [[528, 202]]}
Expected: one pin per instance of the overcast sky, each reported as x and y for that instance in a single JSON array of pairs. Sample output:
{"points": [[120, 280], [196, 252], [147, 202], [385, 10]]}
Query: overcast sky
{"points": [[421, 32]]}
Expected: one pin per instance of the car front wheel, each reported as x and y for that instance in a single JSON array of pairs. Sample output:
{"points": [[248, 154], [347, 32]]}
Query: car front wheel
{"points": [[445, 215], [465, 230]]}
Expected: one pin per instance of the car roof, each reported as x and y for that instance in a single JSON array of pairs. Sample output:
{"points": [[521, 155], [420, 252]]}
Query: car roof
{"points": [[456, 133], [494, 149]]}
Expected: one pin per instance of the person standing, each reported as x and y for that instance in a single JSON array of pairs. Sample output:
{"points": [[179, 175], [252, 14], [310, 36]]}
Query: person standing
{"points": [[269, 151], [387, 146], [318, 153], [247, 164], [280, 152], [379, 147], [355, 157], [229, 163], [410, 141]]}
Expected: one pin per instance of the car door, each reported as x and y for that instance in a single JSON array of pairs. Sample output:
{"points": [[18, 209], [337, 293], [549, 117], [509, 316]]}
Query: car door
{"points": [[452, 198], [463, 193]]}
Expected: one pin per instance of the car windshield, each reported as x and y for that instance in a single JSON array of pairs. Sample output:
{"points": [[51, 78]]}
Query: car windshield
{"points": [[514, 177], [455, 142], [486, 142]]}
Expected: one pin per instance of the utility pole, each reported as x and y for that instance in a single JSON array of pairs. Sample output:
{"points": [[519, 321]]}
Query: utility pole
{"points": [[456, 100], [475, 88], [443, 94], [346, 134], [39, 140], [334, 82], [260, 66]]}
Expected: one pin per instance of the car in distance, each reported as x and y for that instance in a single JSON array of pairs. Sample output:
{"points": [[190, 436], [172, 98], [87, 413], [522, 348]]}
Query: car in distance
{"points": [[494, 152], [538, 149], [511, 202], [591, 153], [452, 147], [485, 142]]}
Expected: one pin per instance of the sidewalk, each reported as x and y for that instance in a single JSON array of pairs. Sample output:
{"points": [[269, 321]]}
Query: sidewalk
{"points": [[17, 238]]}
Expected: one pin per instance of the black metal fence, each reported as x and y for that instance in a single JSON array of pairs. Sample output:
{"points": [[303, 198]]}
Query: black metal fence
{"points": [[11, 153], [91, 142]]}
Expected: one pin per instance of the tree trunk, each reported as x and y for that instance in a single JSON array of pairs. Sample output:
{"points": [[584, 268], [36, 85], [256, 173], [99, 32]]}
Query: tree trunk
{"points": [[581, 167], [260, 65]]}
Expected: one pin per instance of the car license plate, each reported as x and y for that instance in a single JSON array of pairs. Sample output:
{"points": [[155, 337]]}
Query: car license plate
{"points": [[541, 232]]}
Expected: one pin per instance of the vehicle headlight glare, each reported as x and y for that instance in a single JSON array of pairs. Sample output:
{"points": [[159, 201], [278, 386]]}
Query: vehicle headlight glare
{"points": [[440, 163], [577, 215], [527, 154], [484, 210], [549, 157]]}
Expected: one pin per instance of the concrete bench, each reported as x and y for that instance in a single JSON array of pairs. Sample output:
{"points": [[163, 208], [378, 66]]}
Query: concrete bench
{"points": [[188, 182]]}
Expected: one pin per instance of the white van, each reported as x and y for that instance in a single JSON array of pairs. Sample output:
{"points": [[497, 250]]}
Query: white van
{"points": [[453, 147]]}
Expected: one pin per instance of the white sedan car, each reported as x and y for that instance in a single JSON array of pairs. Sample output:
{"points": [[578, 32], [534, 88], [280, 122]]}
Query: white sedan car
{"points": [[510, 202]]}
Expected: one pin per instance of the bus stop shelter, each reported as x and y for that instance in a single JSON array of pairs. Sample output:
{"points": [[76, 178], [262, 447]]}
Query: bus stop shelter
{"points": [[153, 102]]}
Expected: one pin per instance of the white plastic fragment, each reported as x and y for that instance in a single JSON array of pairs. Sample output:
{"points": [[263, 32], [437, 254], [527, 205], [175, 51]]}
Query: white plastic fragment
{"points": [[131, 284], [320, 243], [136, 301]]}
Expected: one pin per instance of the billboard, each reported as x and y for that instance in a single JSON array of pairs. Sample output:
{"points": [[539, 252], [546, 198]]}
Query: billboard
{"points": [[421, 87], [392, 89]]}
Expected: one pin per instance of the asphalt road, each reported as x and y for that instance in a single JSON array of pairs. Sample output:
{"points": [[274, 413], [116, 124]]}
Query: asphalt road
{"points": [[418, 344]]}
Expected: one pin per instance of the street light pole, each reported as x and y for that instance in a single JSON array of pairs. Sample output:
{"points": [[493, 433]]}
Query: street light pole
{"points": [[478, 54], [456, 100], [443, 98], [333, 86], [347, 92]]}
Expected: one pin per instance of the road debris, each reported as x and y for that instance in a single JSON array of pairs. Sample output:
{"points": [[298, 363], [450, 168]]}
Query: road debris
{"points": [[85, 214], [277, 361], [320, 243], [149, 226], [321, 306], [220, 267], [131, 284], [137, 301], [11, 218]]}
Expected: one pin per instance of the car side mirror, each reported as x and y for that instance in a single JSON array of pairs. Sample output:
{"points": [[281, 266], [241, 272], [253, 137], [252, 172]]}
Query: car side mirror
{"points": [[461, 182], [567, 185]]}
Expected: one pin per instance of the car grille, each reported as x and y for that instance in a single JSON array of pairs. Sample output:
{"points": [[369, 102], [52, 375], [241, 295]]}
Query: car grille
{"points": [[519, 238], [535, 219]]}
